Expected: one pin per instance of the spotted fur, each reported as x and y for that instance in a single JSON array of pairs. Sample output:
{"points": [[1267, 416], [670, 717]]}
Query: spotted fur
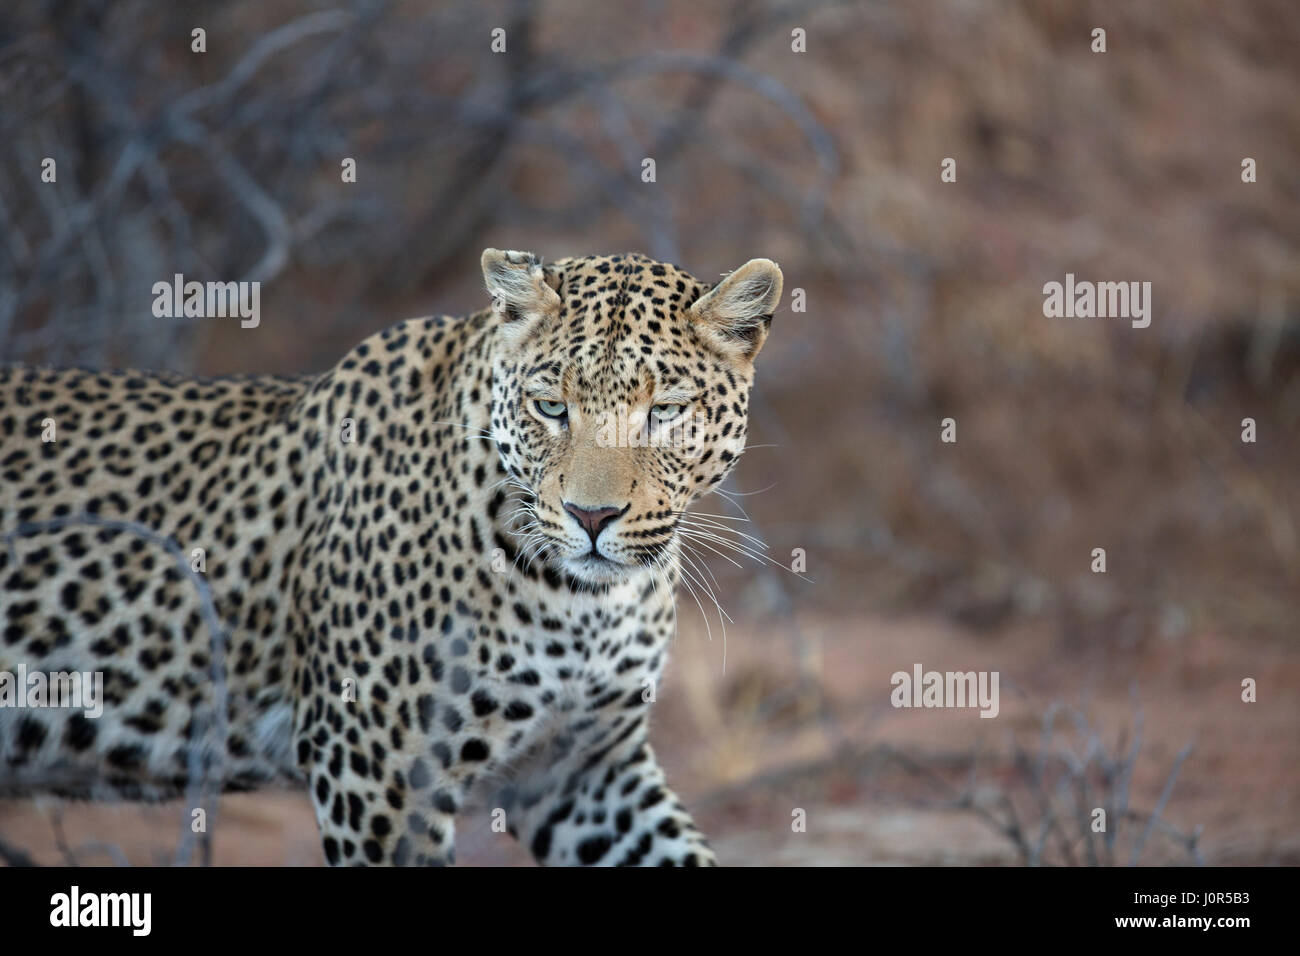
{"points": [[418, 618]]}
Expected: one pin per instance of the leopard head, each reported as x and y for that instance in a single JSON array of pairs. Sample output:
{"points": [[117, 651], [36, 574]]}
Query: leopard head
{"points": [[620, 395]]}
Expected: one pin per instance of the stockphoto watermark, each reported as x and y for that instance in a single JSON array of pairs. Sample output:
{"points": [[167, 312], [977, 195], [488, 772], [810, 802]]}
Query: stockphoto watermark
{"points": [[957, 689], [662, 426], [1099, 300], [208, 300], [74, 690], [131, 911]]}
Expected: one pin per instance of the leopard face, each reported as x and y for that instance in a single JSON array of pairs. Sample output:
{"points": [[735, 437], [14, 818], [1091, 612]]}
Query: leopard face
{"points": [[619, 395]]}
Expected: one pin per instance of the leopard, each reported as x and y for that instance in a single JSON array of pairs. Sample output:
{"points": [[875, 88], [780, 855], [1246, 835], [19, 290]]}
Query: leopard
{"points": [[441, 574]]}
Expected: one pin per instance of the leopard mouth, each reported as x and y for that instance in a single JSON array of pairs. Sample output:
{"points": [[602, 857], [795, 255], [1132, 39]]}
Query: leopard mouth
{"points": [[598, 569]]}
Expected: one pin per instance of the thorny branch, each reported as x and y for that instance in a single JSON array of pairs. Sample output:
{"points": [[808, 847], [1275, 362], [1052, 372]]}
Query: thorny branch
{"points": [[237, 176]]}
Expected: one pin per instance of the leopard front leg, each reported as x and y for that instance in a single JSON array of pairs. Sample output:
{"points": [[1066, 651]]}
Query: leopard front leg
{"points": [[376, 806], [614, 811]]}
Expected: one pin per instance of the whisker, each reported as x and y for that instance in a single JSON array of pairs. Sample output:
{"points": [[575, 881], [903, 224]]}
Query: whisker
{"points": [[704, 514], [739, 548], [734, 546], [701, 541], [758, 542], [744, 494], [722, 614], [708, 591], [691, 591]]}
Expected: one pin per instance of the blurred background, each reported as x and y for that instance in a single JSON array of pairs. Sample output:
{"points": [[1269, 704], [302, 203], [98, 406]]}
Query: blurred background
{"points": [[821, 149]]}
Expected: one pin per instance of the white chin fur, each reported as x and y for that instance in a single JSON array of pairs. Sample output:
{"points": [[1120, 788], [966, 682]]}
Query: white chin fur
{"points": [[600, 572]]}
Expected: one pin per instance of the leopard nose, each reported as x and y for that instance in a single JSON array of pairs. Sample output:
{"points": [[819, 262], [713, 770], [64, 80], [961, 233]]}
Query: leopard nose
{"points": [[595, 520]]}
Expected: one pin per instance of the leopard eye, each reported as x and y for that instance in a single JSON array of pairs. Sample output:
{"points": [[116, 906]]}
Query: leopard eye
{"points": [[552, 409], [666, 413]]}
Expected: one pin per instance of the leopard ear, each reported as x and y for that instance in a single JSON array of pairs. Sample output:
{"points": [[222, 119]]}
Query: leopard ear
{"points": [[522, 291], [735, 314]]}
